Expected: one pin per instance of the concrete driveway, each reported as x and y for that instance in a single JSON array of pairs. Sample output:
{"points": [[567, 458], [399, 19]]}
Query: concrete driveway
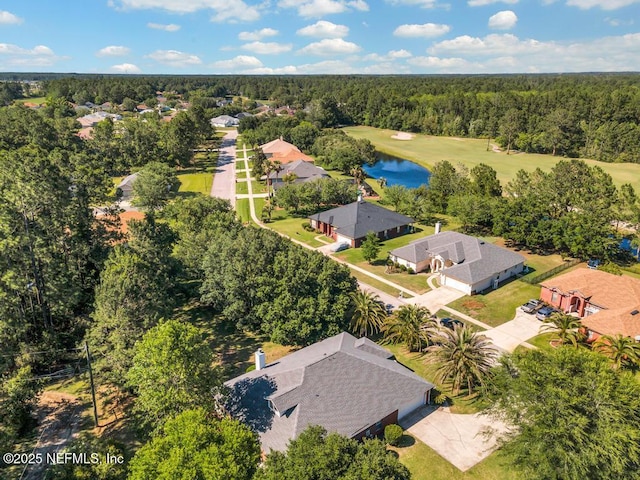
{"points": [[463, 440], [435, 299], [514, 332]]}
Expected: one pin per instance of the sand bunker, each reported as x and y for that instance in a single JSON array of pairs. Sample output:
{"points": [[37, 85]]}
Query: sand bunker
{"points": [[403, 136]]}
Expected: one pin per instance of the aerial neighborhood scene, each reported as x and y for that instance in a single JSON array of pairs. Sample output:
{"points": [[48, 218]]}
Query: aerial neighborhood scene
{"points": [[320, 240]]}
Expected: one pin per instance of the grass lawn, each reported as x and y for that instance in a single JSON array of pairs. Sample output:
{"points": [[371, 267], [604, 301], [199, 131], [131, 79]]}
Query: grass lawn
{"points": [[242, 209], [242, 188], [541, 341], [292, 227], [37, 100], [417, 362], [425, 464], [497, 306], [428, 150], [196, 182], [361, 277], [258, 187]]}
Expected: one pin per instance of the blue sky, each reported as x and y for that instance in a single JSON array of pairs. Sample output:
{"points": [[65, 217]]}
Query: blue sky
{"points": [[319, 36]]}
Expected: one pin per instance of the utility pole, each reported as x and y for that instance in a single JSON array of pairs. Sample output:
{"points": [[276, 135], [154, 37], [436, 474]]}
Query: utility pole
{"points": [[93, 389]]}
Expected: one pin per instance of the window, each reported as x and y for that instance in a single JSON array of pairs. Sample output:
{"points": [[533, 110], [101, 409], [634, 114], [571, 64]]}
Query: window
{"points": [[554, 297], [378, 426]]}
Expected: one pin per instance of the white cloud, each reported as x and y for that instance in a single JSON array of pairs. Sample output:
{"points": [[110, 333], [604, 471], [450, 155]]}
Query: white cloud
{"points": [[174, 58], [171, 27], [506, 53], [8, 18], [241, 62], [267, 48], [482, 3], [388, 57], [113, 51], [257, 34], [427, 30], [224, 10], [126, 68], [324, 29], [330, 46], [320, 8], [441, 64], [616, 22], [38, 56], [418, 3], [603, 4], [504, 20]]}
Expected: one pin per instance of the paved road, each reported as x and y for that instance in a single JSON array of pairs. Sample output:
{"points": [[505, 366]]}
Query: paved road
{"points": [[224, 181]]}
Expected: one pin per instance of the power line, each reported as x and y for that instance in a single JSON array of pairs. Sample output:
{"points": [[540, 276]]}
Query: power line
{"points": [[41, 352]]}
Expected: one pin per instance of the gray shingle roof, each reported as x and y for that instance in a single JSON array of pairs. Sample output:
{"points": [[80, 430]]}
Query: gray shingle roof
{"points": [[356, 219], [476, 259], [301, 169], [342, 383]]}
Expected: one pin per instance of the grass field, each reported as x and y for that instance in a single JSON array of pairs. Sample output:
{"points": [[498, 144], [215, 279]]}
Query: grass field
{"points": [[242, 188], [428, 150], [292, 227], [242, 209], [196, 182], [497, 306], [425, 464], [31, 100]]}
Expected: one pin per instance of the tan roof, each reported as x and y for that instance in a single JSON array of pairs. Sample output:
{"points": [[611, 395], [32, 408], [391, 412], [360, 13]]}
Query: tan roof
{"points": [[618, 295], [601, 288], [291, 156], [613, 322], [278, 146]]}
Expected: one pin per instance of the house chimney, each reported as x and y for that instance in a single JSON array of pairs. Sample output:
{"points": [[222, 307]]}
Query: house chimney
{"points": [[359, 197], [260, 359], [438, 227]]}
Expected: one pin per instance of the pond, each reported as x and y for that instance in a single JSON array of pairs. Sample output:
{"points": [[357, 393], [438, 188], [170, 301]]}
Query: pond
{"points": [[397, 171]]}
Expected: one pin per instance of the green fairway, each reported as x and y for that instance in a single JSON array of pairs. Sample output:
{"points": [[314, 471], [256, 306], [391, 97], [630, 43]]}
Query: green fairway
{"points": [[428, 150], [196, 182]]}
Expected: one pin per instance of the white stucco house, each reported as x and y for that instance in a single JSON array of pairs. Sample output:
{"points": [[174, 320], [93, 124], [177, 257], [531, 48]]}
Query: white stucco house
{"points": [[466, 263]]}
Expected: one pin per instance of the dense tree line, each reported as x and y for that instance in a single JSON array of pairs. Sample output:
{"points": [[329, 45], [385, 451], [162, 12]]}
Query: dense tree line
{"points": [[310, 196], [591, 115]]}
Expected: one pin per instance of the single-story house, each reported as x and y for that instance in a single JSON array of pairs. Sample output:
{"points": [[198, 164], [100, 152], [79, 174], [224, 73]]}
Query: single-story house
{"points": [[242, 115], [303, 171], [125, 187], [351, 223], [284, 152], [93, 119], [347, 385], [224, 121], [466, 263], [608, 304]]}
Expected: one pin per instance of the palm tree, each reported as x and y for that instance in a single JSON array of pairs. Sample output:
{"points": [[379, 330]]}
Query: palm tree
{"points": [[358, 175], [412, 325], [565, 328], [382, 182], [463, 357], [367, 314], [622, 351]]}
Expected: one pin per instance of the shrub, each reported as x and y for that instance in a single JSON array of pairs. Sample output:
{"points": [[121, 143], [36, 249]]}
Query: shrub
{"points": [[410, 271], [403, 268], [393, 434], [307, 226]]}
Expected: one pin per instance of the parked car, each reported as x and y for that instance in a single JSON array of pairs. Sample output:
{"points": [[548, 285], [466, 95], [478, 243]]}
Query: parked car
{"points": [[544, 313], [450, 322], [338, 247], [593, 263], [531, 306], [390, 307]]}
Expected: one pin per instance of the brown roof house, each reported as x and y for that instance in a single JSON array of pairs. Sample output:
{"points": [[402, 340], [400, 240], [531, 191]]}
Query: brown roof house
{"points": [[350, 386], [351, 223], [466, 263], [608, 304], [284, 152]]}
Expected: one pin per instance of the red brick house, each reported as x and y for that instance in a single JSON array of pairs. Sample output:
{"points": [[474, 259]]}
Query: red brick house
{"points": [[608, 304], [351, 223]]}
